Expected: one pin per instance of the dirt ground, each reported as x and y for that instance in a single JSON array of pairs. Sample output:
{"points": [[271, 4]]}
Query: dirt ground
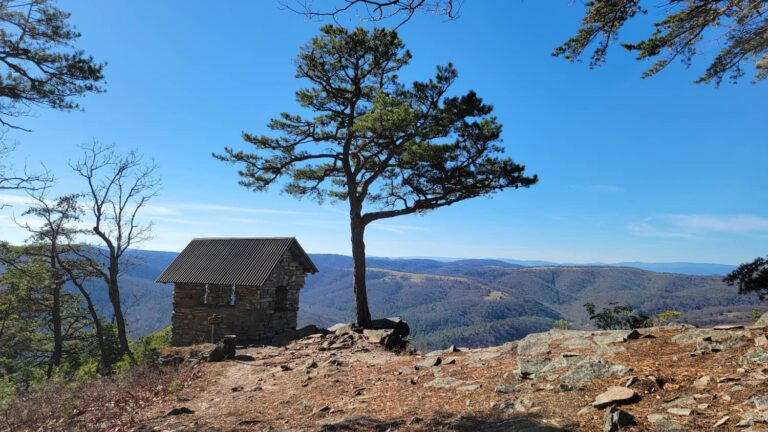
{"points": [[305, 386]]}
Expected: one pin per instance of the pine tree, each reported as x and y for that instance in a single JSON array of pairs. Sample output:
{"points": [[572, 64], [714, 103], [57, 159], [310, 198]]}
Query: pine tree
{"points": [[385, 148]]}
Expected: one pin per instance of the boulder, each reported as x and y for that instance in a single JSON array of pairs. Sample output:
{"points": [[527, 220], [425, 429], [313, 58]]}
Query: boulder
{"points": [[528, 367], [378, 337], [391, 332], [225, 349]]}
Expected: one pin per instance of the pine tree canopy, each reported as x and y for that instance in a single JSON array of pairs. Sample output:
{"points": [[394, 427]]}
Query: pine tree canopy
{"points": [[751, 277], [367, 137], [737, 31], [39, 64]]}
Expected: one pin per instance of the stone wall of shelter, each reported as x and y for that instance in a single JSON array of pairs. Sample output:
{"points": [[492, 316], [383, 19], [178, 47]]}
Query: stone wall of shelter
{"points": [[254, 314]]}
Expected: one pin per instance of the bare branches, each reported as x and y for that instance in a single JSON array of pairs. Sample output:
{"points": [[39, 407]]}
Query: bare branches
{"points": [[25, 180], [375, 10], [118, 187]]}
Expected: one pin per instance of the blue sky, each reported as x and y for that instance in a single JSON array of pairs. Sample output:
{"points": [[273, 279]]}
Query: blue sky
{"points": [[652, 170]]}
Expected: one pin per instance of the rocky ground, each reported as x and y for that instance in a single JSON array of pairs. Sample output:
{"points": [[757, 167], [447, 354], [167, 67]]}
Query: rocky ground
{"points": [[664, 379]]}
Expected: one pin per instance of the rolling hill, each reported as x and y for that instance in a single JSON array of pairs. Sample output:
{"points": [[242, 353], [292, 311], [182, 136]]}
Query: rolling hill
{"points": [[463, 302]]}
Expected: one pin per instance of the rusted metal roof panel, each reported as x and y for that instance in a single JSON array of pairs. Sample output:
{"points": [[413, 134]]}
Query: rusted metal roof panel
{"points": [[232, 261]]}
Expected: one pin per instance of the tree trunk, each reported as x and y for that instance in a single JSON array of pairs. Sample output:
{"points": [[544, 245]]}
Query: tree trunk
{"points": [[114, 298], [358, 258], [106, 363], [58, 343]]}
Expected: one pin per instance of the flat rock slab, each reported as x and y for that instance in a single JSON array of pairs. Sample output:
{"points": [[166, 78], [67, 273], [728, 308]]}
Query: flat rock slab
{"points": [[469, 388], [578, 342], [662, 423], [690, 336], [443, 382], [614, 395], [680, 411], [728, 327], [756, 355], [592, 368], [428, 363]]}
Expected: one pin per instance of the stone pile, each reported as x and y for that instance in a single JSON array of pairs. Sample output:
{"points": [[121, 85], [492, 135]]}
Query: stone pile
{"points": [[389, 333]]}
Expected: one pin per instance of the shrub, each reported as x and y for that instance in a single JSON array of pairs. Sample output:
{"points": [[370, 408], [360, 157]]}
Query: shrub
{"points": [[616, 317], [666, 316], [561, 324]]}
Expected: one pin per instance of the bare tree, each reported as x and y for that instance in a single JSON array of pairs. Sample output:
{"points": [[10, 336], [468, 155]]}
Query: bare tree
{"points": [[375, 10], [118, 187]]}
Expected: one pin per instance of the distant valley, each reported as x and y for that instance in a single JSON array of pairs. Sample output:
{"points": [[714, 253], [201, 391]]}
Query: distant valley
{"points": [[469, 302]]}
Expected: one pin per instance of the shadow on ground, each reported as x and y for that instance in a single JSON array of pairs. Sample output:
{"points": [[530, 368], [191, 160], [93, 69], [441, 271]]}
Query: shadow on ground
{"points": [[485, 423]]}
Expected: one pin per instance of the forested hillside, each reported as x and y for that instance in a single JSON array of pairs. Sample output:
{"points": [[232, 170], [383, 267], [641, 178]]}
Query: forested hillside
{"points": [[465, 302]]}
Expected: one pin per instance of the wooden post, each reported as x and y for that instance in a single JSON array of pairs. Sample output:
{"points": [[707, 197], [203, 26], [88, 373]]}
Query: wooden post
{"points": [[212, 321]]}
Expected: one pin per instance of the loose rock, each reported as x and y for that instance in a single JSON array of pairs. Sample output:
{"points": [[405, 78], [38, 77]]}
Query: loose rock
{"points": [[615, 419], [614, 395]]}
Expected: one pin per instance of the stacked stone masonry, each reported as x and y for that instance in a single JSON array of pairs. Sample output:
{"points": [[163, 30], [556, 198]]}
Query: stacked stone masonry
{"points": [[250, 312]]}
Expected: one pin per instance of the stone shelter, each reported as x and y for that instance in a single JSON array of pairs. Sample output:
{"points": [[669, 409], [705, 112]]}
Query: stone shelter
{"points": [[248, 287]]}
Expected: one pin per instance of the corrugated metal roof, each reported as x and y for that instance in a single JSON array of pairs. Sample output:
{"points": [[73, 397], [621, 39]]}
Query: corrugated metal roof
{"points": [[232, 261]]}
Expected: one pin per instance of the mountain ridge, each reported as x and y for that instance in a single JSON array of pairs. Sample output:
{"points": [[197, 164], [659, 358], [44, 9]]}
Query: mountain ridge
{"points": [[474, 302]]}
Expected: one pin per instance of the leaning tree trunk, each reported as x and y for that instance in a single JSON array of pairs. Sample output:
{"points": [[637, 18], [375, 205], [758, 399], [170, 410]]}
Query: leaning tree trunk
{"points": [[114, 298], [106, 363], [358, 275]]}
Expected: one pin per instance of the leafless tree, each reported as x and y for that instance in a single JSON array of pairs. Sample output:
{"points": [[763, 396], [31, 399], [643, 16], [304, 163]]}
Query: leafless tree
{"points": [[374, 10], [118, 187]]}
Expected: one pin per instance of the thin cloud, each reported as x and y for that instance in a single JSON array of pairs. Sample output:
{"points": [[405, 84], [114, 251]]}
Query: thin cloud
{"points": [[646, 229], [8, 199], [690, 225], [723, 224]]}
